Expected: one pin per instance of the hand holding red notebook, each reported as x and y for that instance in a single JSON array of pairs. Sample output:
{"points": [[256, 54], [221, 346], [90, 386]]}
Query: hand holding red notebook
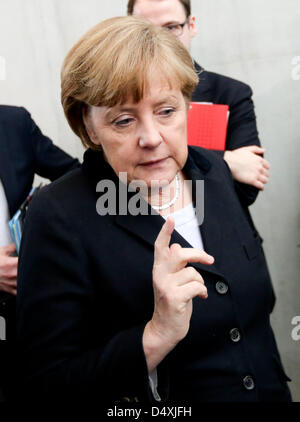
{"points": [[207, 125]]}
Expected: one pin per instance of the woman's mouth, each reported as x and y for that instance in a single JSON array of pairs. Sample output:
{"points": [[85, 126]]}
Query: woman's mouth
{"points": [[154, 163]]}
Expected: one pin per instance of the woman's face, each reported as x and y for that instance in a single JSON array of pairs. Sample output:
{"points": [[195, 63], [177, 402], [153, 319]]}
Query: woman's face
{"points": [[147, 140]]}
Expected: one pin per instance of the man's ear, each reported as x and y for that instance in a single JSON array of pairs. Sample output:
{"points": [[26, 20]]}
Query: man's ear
{"points": [[192, 26], [88, 123]]}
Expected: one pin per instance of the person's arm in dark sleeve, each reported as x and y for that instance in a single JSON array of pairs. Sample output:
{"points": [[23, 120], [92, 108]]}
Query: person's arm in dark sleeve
{"points": [[242, 132], [50, 161], [59, 350]]}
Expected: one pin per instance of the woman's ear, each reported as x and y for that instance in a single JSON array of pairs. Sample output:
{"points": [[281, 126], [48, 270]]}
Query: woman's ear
{"points": [[88, 123]]}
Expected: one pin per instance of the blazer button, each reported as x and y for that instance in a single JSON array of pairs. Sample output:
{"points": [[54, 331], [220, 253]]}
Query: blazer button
{"points": [[248, 382], [221, 287], [235, 335]]}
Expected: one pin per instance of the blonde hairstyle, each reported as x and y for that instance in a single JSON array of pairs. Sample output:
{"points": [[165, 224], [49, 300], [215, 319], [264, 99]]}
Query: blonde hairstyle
{"points": [[114, 61]]}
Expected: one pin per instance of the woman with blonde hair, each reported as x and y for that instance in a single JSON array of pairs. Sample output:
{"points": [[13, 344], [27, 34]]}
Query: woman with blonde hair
{"points": [[125, 290]]}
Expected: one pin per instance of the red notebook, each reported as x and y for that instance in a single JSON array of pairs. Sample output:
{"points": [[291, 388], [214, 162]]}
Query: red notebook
{"points": [[207, 125]]}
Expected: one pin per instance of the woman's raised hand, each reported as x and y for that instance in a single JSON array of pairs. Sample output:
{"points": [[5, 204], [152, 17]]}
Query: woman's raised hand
{"points": [[175, 285]]}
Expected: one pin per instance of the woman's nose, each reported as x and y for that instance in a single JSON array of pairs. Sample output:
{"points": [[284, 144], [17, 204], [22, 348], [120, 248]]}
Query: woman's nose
{"points": [[149, 136]]}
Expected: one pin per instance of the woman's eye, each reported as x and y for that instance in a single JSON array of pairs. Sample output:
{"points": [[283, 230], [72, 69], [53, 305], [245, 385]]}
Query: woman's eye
{"points": [[123, 122], [167, 111]]}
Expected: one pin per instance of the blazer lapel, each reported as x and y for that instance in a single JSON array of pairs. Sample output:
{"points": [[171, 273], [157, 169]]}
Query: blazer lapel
{"points": [[211, 229], [198, 168]]}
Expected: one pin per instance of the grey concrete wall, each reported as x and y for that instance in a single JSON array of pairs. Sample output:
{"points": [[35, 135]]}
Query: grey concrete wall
{"points": [[255, 41]]}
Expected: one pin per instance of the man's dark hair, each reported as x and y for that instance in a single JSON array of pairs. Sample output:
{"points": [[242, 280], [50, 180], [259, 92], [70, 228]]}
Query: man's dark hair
{"points": [[185, 3]]}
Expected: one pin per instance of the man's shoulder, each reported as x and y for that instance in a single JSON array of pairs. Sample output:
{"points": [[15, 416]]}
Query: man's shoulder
{"points": [[217, 78], [216, 87]]}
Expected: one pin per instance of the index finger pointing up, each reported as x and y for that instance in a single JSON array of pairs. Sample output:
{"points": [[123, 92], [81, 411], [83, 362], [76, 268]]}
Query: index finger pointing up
{"points": [[164, 237]]}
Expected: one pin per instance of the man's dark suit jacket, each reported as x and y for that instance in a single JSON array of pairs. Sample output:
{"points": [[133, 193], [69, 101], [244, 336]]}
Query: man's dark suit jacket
{"points": [[24, 152], [242, 129], [85, 295]]}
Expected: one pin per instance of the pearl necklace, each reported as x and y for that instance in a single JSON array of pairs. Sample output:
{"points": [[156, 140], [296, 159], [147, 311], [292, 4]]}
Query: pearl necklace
{"points": [[169, 204]]}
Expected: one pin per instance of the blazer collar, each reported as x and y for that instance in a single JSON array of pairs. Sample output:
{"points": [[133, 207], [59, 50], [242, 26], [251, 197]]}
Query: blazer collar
{"points": [[203, 87], [198, 67]]}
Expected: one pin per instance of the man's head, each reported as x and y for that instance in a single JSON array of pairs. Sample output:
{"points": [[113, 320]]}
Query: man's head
{"points": [[172, 14]]}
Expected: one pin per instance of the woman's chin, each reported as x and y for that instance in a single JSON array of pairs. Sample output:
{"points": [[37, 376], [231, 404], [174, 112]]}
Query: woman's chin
{"points": [[157, 178]]}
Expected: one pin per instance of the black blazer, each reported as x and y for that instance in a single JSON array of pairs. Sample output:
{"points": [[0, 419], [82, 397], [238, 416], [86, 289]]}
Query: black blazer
{"points": [[85, 295], [24, 151], [242, 130]]}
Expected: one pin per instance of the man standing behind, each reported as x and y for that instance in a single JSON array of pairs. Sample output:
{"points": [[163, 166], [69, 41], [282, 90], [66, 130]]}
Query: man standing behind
{"points": [[243, 152], [24, 152]]}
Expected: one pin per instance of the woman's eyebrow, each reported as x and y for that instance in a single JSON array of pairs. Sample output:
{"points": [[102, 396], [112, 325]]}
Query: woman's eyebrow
{"points": [[118, 109], [130, 109], [169, 98], [170, 23]]}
